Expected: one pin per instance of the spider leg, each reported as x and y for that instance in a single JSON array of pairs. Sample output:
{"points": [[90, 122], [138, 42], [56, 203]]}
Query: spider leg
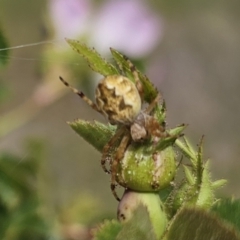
{"points": [[154, 128], [152, 104], [81, 95], [118, 157], [136, 77], [108, 146]]}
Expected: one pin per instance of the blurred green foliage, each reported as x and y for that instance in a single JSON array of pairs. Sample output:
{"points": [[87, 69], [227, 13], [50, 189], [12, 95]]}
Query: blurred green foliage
{"points": [[3, 44], [229, 210], [3, 61], [20, 205]]}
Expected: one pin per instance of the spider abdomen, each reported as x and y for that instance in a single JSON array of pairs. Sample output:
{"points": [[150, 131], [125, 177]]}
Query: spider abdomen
{"points": [[118, 98]]}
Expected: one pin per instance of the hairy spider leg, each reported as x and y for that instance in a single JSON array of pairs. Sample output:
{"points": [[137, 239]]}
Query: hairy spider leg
{"points": [[152, 125], [152, 105], [81, 95], [154, 128], [136, 77], [118, 157], [107, 147]]}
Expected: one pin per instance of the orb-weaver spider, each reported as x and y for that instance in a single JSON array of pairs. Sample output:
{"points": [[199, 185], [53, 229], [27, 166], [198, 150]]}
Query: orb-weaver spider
{"points": [[120, 101]]}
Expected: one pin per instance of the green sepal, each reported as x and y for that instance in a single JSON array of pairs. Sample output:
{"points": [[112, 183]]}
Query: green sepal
{"points": [[197, 224], [107, 230], [95, 61], [219, 183], [150, 91], [198, 188], [205, 194], [168, 141], [199, 164], [189, 175], [95, 133], [186, 149], [199, 193], [160, 112], [177, 130]]}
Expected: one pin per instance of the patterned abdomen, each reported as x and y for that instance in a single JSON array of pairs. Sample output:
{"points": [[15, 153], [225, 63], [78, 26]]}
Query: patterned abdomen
{"points": [[118, 98]]}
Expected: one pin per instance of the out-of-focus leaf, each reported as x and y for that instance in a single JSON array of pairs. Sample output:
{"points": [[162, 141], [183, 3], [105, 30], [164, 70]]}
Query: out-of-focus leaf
{"points": [[229, 210], [3, 53], [138, 227], [108, 230], [198, 224], [17, 177], [19, 202], [95, 61], [25, 221], [19, 173], [95, 133]]}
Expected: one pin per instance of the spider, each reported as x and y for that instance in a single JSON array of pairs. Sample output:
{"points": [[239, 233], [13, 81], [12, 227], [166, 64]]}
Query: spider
{"points": [[120, 101]]}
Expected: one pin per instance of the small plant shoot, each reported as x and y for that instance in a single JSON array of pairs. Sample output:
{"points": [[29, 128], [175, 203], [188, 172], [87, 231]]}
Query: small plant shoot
{"points": [[144, 157]]}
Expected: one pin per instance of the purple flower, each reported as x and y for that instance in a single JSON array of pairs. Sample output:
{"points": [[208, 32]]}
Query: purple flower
{"points": [[127, 25], [70, 18]]}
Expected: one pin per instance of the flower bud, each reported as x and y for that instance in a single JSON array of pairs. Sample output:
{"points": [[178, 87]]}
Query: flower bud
{"points": [[144, 169]]}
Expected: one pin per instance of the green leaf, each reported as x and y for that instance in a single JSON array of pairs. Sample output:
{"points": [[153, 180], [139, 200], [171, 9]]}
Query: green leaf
{"points": [[122, 63], [108, 230], [138, 227], [229, 210], [150, 91], [95, 61], [4, 53], [95, 133], [198, 224]]}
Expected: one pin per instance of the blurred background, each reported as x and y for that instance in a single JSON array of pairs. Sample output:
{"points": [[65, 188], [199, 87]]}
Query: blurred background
{"points": [[189, 49]]}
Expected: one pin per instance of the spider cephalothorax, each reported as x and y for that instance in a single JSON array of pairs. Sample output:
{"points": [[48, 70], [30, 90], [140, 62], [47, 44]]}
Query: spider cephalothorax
{"points": [[120, 101]]}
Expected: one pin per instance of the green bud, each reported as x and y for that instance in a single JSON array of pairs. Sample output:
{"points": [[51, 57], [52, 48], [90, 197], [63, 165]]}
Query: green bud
{"points": [[146, 170]]}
